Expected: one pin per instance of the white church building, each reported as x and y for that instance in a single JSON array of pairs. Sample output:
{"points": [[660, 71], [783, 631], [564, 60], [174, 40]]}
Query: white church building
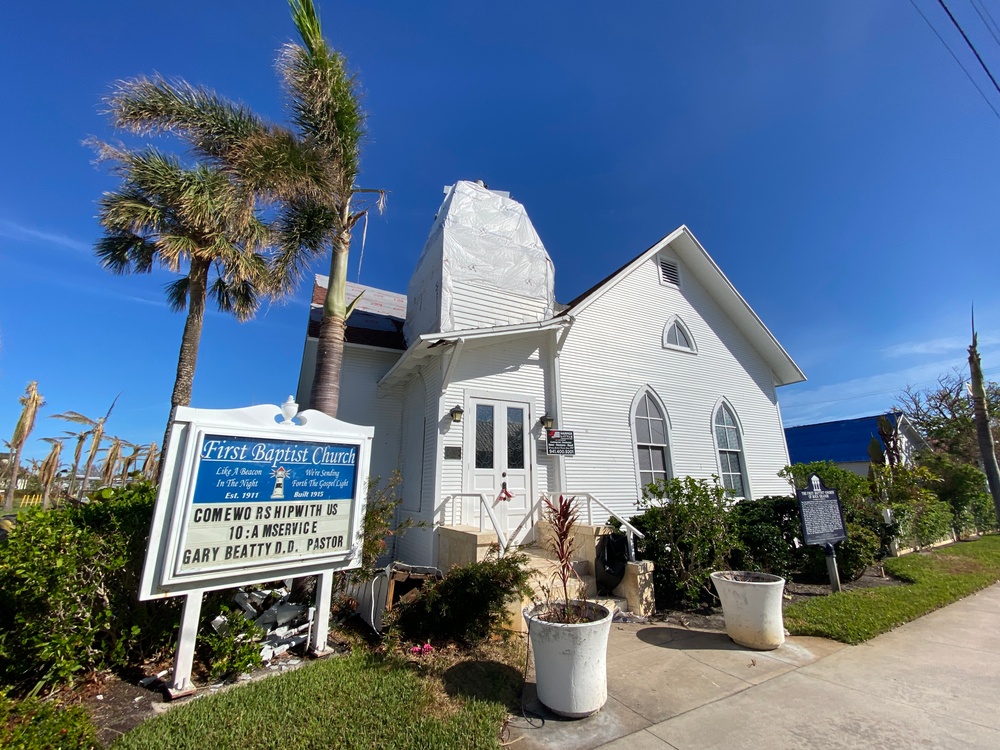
{"points": [[486, 393]]}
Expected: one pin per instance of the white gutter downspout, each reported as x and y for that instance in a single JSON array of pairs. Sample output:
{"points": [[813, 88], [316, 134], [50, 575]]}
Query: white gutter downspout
{"points": [[557, 342]]}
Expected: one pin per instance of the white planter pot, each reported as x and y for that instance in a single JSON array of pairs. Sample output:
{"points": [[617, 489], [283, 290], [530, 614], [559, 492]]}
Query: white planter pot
{"points": [[571, 660], [752, 608]]}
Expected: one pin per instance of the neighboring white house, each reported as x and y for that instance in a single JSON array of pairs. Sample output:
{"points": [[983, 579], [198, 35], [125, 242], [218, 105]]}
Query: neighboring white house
{"points": [[661, 369]]}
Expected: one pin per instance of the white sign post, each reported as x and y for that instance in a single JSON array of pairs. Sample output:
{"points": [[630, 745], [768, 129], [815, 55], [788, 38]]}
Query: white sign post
{"points": [[254, 495]]}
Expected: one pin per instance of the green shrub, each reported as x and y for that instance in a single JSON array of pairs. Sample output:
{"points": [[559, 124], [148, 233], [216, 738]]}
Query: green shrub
{"points": [[766, 530], [921, 517], [33, 724], [69, 580], [688, 534], [234, 648], [854, 555], [963, 487], [468, 604]]}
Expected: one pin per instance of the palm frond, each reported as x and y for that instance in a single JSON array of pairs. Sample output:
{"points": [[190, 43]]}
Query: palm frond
{"points": [[75, 417], [154, 105], [324, 99], [177, 294]]}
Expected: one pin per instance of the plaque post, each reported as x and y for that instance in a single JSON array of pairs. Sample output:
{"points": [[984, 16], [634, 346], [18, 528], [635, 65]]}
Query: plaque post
{"points": [[831, 568]]}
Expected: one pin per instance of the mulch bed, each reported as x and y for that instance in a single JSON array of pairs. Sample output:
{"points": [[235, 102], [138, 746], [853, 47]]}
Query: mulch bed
{"points": [[710, 618]]}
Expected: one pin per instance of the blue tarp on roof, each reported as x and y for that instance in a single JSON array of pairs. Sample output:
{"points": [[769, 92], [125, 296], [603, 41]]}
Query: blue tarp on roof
{"points": [[843, 441]]}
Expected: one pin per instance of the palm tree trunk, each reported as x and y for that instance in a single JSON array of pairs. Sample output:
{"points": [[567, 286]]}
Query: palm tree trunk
{"points": [[77, 455], [325, 394], [330, 348], [15, 465], [983, 433], [95, 446], [190, 340]]}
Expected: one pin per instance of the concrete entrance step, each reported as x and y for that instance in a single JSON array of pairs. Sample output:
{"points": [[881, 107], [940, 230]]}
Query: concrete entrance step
{"points": [[545, 576]]}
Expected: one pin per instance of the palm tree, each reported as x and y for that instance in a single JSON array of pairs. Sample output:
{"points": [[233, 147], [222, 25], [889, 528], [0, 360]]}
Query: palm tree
{"points": [[151, 462], [81, 438], [111, 460], [127, 462], [96, 433], [327, 112], [167, 214], [49, 468], [31, 402], [310, 170]]}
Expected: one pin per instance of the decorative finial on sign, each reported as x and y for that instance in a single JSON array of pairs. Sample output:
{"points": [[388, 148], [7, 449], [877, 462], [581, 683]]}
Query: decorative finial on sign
{"points": [[289, 409]]}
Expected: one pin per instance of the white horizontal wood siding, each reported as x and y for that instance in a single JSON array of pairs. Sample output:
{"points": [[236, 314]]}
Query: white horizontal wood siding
{"points": [[476, 306], [615, 348]]}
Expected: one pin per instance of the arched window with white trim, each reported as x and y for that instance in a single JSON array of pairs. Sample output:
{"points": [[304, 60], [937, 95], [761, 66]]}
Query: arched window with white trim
{"points": [[676, 335], [649, 432], [732, 467]]}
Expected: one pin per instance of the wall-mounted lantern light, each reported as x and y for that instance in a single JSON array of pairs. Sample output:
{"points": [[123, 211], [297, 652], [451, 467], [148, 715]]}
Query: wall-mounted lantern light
{"points": [[546, 421], [456, 414]]}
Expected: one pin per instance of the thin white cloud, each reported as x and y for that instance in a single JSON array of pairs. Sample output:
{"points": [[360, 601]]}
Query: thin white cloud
{"points": [[13, 231], [859, 396], [935, 346]]}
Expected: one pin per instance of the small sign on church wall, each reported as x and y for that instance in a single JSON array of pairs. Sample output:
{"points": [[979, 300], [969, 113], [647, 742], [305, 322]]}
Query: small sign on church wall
{"points": [[559, 443], [246, 499]]}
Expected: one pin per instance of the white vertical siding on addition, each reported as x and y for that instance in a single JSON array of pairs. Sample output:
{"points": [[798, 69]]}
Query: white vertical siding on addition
{"points": [[614, 349], [416, 545], [361, 403]]}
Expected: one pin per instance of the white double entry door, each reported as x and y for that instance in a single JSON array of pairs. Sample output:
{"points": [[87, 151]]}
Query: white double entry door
{"points": [[499, 461]]}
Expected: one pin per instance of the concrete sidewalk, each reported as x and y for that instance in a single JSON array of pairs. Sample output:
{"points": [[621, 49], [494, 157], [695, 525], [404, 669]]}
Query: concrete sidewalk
{"points": [[934, 682]]}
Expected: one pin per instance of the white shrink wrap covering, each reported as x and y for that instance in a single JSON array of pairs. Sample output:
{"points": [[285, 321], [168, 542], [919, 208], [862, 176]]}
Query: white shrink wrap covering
{"points": [[483, 265]]}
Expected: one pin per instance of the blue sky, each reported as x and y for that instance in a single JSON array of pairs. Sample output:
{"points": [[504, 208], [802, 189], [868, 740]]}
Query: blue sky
{"points": [[831, 156]]}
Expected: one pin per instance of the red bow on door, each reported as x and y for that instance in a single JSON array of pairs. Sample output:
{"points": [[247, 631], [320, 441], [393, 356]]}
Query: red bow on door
{"points": [[505, 494]]}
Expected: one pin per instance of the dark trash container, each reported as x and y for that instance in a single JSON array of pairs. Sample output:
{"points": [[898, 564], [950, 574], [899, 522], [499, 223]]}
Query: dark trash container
{"points": [[612, 557]]}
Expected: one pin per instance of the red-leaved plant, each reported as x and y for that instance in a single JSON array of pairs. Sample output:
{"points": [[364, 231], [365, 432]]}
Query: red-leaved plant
{"points": [[562, 517]]}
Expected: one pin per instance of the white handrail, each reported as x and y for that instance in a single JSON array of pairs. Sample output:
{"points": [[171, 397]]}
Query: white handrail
{"points": [[527, 517], [501, 537], [630, 531]]}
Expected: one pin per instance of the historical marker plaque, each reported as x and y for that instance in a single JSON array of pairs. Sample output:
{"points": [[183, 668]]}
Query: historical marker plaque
{"points": [[559, 443], [821, 514]]}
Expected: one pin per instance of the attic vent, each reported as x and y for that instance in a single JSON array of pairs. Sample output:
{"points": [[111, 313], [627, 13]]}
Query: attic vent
{"points": [[669, 273]]}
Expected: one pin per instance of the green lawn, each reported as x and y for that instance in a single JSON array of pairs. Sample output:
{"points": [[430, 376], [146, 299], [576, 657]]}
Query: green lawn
{"points": [[363, 700], [934, 578]]}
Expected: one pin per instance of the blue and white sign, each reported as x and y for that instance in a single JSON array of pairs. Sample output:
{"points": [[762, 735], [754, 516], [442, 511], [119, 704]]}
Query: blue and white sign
{"points": [[245, 499], [263, 500]]}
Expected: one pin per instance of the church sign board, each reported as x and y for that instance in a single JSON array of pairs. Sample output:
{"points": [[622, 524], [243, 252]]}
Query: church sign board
{"points": [[246, 499]]}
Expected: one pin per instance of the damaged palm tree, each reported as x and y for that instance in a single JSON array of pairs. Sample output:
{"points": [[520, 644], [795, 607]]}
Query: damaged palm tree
{"points": [[31, 402], [48, 470], [983, 432]]}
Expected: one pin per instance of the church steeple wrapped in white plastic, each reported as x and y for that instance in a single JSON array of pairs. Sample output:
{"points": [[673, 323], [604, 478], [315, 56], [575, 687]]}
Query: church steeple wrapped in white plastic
{"points": [[483, 265]]}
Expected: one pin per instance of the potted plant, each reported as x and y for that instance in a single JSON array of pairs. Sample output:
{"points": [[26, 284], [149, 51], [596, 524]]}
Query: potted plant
{"points": [[569, 636], [751, 607]]}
